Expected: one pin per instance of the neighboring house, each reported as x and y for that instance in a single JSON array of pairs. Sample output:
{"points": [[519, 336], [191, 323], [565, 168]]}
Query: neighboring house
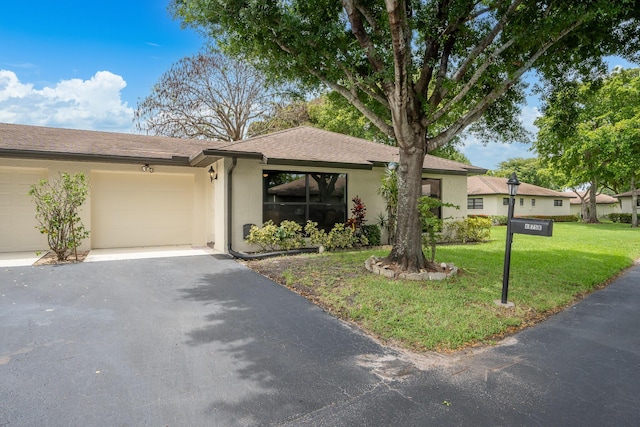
{"points": [[154, 191], [605, 204], [488, 195], [625, 201]]}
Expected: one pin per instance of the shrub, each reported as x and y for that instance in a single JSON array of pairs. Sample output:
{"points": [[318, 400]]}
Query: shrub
{"points": [[288, 235], [624, 218], [373, 234], [466, 230], [341, 236], [358, 212], [57, 204]]}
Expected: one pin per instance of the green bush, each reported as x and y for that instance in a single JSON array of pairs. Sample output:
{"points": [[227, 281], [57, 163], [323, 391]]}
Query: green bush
{"points": [[477, 229], [556, 218], [58, 202], [624, 218], [288, 235], [341, 236], [373, 234]]}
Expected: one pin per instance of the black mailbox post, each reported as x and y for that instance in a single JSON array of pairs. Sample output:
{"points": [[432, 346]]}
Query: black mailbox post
{"points": [[535, 227]]}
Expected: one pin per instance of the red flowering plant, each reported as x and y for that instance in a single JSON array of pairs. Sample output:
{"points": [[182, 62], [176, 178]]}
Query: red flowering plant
{"points": [[358, 212]]}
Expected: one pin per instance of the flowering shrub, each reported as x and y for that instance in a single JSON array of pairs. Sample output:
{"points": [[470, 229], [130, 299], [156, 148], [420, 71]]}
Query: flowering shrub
{"points": [[288, 235]]}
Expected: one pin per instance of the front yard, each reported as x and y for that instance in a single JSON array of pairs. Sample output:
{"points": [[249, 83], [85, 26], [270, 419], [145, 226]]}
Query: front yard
{"points": [[547, 275]]}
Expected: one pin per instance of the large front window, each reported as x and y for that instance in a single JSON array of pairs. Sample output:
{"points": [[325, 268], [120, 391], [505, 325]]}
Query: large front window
{"points": [[302, 196]]}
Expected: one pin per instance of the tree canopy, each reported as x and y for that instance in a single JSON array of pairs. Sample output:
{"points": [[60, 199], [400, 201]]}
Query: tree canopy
{"points": [[207, 95], [423, 70], [529, 170], [590, 132]]}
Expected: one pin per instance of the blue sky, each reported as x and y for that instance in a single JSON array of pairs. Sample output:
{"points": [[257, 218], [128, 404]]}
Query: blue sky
{"points": [[85, 65]]}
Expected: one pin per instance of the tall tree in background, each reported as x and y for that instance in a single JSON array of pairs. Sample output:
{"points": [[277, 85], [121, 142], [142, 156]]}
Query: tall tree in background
{"points": [[205, 96], [591, 133], [530, 170], [435, 67]]}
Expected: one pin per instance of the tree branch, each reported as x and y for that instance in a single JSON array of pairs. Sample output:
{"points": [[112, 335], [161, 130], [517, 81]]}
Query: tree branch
{"points": [[488, 39], [476, 112], [358, 30]]}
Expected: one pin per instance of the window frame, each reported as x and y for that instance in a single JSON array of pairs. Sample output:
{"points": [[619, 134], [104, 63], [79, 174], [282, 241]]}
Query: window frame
{"points": [[283, 208], [557, 203], [471, 203]]}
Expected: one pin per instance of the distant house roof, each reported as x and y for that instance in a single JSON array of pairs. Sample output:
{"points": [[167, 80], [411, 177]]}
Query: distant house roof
{"points": [[604, 199], [297, 146], [308, 145], [627, 194], [491, 185]]}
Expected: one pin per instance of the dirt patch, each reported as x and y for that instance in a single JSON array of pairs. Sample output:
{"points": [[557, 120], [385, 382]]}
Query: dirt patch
{"points": [[51, 259]]}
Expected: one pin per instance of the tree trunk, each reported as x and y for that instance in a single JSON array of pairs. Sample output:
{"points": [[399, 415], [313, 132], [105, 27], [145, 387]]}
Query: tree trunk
{"points": [[407, 247], [634, 204], [593, 213]]}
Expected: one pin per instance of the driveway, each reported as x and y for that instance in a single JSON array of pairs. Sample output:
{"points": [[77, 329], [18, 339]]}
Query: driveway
{"points": [[203, 341]]}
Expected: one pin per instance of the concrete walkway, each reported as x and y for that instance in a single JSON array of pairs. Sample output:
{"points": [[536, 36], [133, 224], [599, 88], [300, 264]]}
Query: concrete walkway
{"points": [[203, 341], [24, 259]]}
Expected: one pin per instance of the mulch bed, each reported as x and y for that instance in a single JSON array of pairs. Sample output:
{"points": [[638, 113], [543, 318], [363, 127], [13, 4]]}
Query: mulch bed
{"points": [[51, 259]]}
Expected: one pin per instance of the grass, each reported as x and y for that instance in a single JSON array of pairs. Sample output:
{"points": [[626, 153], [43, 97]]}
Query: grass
{"points": [[547, 275]]}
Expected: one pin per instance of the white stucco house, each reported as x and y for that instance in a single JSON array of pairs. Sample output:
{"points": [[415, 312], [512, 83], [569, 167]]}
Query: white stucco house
{"points": [[489, 195], [605, 204], [625, 201], [158, 191]]}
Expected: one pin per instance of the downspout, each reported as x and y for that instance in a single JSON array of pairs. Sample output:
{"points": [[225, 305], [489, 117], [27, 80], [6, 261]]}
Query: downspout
{"points": [[240, 255]]}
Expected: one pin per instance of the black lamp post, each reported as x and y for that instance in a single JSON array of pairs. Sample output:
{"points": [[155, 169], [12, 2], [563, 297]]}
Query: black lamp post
{"points": [[512, 184]]}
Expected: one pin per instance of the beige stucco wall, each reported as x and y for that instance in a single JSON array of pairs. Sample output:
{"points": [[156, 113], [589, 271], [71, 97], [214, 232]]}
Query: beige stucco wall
{"points": [[493, 205], [247, 195], [603, 209], [202, 230], [625, 203]]}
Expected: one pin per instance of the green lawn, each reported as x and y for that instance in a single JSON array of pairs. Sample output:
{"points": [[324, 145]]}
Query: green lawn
{"points": [[547, 274]]}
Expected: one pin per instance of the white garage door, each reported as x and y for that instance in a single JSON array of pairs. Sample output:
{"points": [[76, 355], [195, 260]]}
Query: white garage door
{"points": [[141, 209], [17, 211]]}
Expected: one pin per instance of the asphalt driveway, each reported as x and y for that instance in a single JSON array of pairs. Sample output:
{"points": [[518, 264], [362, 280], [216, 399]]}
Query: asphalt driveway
{"points": [[203, 341]]}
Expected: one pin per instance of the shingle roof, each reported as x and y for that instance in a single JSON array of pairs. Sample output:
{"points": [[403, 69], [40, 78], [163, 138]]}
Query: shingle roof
{"points": [[487, 185], [600, 198], [302, 144], [308, 144], [627, 194], [45, 142]]}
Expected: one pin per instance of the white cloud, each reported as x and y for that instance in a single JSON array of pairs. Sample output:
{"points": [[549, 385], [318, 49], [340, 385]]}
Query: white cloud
{"points": [[93, 104]]}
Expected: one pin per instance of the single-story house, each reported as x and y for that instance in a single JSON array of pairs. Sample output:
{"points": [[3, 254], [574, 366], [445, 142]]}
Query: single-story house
{"points": [[625, 201], [489, 195], [605, 204], [155, 191]]}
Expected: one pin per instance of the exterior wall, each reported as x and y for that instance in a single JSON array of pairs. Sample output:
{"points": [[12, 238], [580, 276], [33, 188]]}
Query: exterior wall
{"points": [[625, 204], [493, 205], [247, 194], [454, 191], [603, 209], [202, 188]]}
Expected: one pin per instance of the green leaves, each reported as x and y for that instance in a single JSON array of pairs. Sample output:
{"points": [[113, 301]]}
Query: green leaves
{"points": [[57, 204]]}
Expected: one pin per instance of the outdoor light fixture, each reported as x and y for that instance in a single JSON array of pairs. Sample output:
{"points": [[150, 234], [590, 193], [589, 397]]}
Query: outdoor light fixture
{"points": [[392, 166], [212, 174], [146, 168], [513, 184]]}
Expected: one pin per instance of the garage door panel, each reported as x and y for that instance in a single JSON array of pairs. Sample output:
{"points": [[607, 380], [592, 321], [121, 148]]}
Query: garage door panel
{"points": [[17, 210], [141, 209]]}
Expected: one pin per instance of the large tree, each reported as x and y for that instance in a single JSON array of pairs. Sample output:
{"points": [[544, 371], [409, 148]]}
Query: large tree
{"points": [[590, 132], [205, 96], [434, 67], [529, 170]]}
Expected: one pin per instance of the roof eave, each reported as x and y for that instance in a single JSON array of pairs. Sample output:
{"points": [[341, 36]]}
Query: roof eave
{"points": [[83, 157]]}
